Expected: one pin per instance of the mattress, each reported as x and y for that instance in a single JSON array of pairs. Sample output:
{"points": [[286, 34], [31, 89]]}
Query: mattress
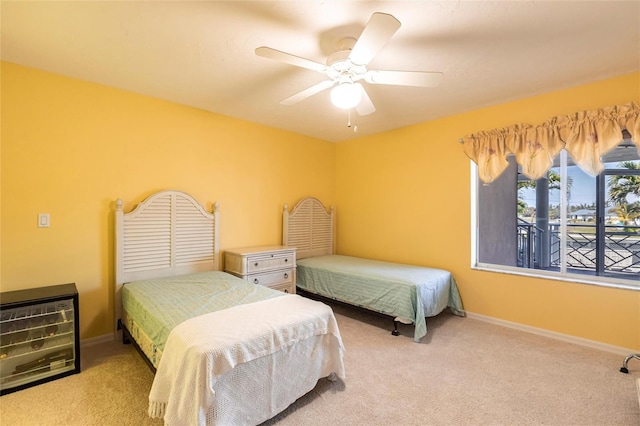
{"points": [[245, 364], [403, 291], [151, 311]]}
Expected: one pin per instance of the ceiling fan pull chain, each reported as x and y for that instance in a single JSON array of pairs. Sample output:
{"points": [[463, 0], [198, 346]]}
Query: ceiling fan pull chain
{"points": [[355, 121]]}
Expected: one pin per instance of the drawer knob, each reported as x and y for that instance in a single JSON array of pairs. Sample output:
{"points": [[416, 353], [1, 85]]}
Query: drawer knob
{"points": [[255, 281], [286, 260], [286, 275], [256, 264]]}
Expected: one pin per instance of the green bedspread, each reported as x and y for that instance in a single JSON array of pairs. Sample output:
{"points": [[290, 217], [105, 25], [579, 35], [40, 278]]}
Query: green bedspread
{"points": [[404, 291], [158, 305]]}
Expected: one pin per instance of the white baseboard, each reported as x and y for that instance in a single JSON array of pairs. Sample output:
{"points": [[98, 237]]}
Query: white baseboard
{"points": [[97, 340], [554, 335]]}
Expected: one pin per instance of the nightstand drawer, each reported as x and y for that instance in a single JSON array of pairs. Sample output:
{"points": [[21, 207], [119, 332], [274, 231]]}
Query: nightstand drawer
{"points": [[267, 263], [286, 288], [271, 278]]}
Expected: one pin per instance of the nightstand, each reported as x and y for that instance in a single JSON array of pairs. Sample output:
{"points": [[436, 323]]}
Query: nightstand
{"points": [[271, 266]]}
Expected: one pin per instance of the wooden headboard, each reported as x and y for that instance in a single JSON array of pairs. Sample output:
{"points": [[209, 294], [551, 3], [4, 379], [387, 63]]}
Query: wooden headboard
{"points": [[167, 234], [309, 227]]}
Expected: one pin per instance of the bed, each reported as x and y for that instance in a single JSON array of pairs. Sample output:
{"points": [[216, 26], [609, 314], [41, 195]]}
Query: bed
{"points": [[407, 293], [224, 351]]}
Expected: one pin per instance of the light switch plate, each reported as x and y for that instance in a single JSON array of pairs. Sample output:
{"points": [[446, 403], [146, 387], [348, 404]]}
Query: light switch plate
{"points": [[43, 220]]}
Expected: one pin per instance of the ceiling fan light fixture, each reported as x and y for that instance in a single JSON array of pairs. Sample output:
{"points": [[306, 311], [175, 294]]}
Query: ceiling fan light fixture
{"points": [[346, 95], [349, 65]]}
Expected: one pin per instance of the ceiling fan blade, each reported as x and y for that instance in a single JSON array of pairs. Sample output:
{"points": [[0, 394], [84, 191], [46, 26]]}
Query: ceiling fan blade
{"points": [[365, 107], [375, 35], [317, 88], [267, 52], [404, 78]]}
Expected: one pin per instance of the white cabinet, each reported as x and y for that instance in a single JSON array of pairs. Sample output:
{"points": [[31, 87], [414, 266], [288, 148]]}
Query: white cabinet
{"points": [[271, 266]]}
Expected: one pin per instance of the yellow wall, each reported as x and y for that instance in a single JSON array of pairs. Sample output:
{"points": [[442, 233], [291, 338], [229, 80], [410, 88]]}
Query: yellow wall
{"points": [[70, 148], [412, 186]]}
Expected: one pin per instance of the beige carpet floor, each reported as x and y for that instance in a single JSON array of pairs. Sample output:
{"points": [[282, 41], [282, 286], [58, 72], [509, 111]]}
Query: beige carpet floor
{"points": [[465, 372]]}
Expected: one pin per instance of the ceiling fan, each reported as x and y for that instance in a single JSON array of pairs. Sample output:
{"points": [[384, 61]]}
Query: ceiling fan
{"points": [[348, 66]]}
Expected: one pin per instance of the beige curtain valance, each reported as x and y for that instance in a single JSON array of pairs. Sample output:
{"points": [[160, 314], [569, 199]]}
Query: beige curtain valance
{"points": [[586, 136]]}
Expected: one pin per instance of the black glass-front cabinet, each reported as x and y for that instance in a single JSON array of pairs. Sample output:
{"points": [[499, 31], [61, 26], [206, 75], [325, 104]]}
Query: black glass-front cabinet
{"points": [[39, 337]]}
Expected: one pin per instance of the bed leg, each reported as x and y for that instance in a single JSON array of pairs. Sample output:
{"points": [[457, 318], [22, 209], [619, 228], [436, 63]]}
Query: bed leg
{"points": [[395, 331], [126, 337]]}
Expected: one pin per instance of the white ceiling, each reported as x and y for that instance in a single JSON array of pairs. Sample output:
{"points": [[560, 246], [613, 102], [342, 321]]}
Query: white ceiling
{"points": [[201, 53]]}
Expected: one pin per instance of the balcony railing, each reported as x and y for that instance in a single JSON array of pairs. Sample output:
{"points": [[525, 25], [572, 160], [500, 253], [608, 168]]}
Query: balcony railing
{"points": [[621, 253], [528, 239]]}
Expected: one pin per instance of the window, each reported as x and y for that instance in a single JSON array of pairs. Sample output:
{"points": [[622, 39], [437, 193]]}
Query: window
{"points": [[566, 225]]}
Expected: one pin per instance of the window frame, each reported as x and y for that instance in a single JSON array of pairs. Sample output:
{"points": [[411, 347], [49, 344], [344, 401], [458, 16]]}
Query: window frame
{"points": [[564, 276]]}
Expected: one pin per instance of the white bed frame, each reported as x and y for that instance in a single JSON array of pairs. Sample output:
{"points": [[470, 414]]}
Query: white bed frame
{"points": [[167, 234], [309, 228], [171, 234]]}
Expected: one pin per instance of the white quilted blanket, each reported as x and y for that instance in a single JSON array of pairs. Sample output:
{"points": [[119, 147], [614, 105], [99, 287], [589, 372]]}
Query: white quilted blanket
{"points": [[201, 350]]}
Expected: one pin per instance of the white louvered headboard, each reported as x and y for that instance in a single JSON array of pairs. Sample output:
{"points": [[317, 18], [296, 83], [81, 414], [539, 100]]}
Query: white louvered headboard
{"points": [[309, 227], [168, 234]]}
